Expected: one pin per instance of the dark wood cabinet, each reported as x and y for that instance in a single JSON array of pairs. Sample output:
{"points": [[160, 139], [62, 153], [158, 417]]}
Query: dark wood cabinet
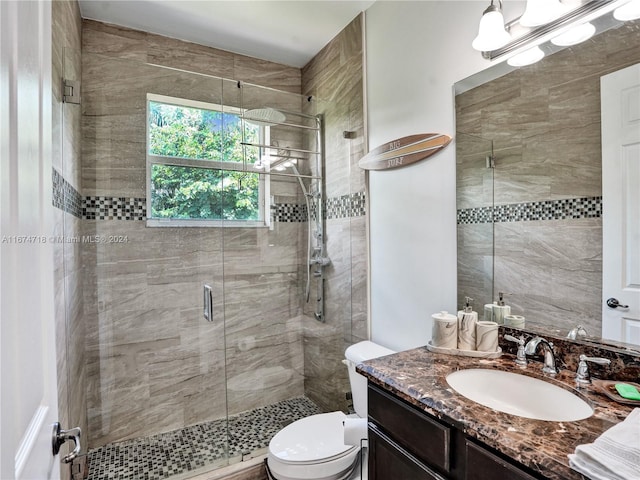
{"points": [[482, 465], [406, 443], [388, 460], [426, 439]]}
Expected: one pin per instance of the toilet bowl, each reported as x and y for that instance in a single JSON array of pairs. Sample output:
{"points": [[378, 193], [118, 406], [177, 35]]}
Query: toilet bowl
{"points": [[313, 448]]}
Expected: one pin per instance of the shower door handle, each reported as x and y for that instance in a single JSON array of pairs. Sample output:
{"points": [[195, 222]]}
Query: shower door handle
{"points": [[59, 437], [208, 303]]}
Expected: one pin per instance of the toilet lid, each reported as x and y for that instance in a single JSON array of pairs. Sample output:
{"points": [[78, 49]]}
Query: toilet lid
{"points": [[311, 439]]}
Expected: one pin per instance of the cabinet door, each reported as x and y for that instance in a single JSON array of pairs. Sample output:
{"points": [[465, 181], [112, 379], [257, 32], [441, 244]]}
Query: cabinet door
{"points": [[484, 465], [413, 430], [389, 461]]}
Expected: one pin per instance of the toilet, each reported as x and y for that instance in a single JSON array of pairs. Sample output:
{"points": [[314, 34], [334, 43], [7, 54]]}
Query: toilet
{"points": [[313, 448]]}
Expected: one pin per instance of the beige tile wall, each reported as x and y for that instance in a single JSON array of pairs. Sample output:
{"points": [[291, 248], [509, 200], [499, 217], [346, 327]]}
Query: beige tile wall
{"points": [[336, 74], [545, 122]]}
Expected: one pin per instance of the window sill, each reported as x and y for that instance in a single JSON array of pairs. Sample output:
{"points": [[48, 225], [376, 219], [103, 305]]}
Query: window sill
{"points": [[157, 222]]}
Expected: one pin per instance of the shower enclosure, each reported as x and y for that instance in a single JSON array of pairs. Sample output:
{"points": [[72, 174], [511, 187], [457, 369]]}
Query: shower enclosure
{"points": [[247, 215]]}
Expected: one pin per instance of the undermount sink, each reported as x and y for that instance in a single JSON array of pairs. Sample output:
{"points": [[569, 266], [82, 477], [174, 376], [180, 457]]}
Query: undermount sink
{"points": [[519, 395]]}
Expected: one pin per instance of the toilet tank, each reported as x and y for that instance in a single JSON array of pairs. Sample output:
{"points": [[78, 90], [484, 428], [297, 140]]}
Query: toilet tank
{"points": [[355, 354]]}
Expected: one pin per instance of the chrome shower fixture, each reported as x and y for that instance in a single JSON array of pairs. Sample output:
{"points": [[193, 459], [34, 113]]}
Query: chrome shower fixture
{"points": [[264, 117]]}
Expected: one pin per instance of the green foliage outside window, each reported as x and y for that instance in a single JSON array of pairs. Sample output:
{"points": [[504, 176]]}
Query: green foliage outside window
{"points": [[185, 192], [203, 193]]}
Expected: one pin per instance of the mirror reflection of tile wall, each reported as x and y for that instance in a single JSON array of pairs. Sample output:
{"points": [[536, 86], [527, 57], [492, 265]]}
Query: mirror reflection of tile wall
{"points": [[544, 121], [474, 199]]}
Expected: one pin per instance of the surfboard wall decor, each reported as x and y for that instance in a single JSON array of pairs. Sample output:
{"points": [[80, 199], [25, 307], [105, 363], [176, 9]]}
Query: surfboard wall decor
{"points": [[404, 151]]}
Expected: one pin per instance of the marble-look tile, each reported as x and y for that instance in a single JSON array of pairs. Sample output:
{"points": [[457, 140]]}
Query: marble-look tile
{"points": [[326, 377], [113, 41], [261, 72], [191, 57], [473, 177], [347, 273]]}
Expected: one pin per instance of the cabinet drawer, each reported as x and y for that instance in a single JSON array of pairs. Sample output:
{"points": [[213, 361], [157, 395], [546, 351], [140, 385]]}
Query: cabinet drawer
{"points": [[388, 461], [483, 465], [421, 436]]}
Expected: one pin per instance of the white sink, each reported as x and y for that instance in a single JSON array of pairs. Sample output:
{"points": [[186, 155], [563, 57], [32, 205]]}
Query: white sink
{"points": [[519, 395]]}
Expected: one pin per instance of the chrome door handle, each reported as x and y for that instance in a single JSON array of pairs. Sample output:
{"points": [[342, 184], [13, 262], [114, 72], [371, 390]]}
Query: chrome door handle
{"points": [[614, 303], [60, 436], [208, 303]]}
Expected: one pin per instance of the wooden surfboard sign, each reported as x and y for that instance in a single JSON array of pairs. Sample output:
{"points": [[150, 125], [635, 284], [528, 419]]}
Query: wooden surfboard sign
{"points": [[404, 151]]}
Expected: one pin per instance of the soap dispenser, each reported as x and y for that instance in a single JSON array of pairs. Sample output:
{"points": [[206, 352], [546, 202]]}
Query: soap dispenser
{"points": [[500, 310], [467, 320]]}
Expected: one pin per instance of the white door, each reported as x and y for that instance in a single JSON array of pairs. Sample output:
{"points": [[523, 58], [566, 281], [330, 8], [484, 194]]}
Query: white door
{"points": [[28, 397], [620, 98]]}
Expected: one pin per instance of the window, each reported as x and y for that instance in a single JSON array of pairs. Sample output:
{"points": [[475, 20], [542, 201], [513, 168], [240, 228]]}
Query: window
{"points": [[195, 158]]}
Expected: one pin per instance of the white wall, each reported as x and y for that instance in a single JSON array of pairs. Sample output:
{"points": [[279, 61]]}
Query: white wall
{"points": [[416, 51]]}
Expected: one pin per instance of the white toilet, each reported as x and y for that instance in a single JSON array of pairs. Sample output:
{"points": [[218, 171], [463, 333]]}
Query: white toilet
{"points": [[313, 448]]}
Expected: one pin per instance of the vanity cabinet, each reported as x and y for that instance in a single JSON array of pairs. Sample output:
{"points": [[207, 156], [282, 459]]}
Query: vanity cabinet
{"points": [[406, 443]]}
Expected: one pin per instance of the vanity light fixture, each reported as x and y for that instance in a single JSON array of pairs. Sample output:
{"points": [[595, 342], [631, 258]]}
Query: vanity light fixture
{"points": [[564, 25], [628, 11], [491, 32]]}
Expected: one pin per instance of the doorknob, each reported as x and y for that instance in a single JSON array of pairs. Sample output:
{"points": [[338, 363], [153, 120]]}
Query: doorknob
{"points": [[614, 303], [61, 436]]}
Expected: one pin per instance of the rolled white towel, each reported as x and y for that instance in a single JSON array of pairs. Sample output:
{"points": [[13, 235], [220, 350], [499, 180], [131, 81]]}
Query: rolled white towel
{"points": [[614, 455]]}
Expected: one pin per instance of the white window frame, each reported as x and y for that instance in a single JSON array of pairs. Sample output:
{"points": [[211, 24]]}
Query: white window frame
{"points": [[151, 159]]}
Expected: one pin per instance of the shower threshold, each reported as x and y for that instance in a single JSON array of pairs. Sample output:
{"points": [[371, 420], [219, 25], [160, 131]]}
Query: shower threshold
{"points": [[199, 448]]}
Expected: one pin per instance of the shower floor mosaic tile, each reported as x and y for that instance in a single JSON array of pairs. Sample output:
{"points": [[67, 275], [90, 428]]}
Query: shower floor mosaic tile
{"points": [[192, 448]]}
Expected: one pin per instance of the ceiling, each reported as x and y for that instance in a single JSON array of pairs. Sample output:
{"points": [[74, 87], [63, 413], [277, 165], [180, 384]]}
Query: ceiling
{"points": [[287, 32]]}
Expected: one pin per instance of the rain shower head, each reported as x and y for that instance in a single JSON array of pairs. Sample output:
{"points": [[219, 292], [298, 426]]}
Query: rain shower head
{"points": [[264, 117]]}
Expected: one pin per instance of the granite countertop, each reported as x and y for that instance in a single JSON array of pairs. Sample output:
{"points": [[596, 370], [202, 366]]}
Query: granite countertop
{"points": [[418, 376]]}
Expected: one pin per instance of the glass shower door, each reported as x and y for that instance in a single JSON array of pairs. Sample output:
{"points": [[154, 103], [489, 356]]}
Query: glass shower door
{"points": [[156, 372], [265, 270]]}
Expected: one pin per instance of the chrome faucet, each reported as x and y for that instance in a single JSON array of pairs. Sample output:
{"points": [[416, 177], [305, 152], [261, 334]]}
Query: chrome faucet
{"points": [[582, 374], [521, 358], [549, 356]]}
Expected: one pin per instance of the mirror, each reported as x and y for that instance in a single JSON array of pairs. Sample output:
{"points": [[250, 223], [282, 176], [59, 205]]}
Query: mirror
{"points": [[531, 227]]}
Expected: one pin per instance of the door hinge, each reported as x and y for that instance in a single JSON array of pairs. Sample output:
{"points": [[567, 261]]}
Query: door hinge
{"points": [[71, 91]]}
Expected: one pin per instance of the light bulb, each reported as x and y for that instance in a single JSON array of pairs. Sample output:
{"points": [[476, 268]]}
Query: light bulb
{"points": [[575, 35], [628, 11], [491, 32], [539, 12], [527, 57]]}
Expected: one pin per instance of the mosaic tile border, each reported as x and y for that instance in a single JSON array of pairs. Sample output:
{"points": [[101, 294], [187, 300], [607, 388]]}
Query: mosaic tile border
{"points": [[573, 208], [65, 196], [346, 206], [289, 212], [114, 208], [191, 448], [68, 199]]}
